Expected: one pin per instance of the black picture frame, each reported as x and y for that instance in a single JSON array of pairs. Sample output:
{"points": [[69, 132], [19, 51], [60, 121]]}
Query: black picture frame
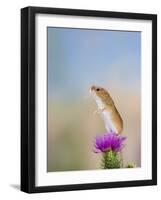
{"points": [[28, 98]]}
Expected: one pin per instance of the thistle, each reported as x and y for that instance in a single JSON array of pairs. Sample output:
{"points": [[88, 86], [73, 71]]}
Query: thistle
{"points": [[130, 165], [110, 145]]}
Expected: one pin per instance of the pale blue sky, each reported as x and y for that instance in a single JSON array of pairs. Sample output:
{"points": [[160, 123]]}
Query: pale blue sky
{"points": [[78, 58]]}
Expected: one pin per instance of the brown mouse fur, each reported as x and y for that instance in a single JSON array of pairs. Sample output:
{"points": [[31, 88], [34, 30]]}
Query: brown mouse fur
{"points": [[106, 106]]}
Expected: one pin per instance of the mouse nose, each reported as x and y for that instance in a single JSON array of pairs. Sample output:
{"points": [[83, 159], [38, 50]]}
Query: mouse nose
{"points": [[93, 87]]}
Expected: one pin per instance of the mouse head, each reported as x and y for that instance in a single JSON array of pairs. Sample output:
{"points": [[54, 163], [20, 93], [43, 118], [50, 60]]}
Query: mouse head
{"points": [[100, 94]]}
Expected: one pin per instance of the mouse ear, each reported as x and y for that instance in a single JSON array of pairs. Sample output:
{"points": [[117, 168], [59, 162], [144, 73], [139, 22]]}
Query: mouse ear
{"points": [[110, 101]]}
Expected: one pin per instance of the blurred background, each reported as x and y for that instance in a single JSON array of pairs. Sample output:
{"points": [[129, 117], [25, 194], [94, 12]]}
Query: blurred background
{"points": [[77, 59]]}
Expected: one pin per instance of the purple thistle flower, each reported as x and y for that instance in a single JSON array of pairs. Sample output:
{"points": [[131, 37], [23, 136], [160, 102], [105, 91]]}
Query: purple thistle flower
{"points": [[109, 141]]}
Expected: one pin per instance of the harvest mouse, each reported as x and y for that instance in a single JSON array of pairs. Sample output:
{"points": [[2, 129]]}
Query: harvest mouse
{"points": [[107, 108]]}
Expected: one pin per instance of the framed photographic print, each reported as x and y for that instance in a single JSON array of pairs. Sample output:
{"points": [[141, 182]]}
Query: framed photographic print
{"points": [[88, 99]]}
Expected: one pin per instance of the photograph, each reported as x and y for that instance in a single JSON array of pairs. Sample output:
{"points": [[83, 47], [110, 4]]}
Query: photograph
{"points": [[93, 99], [89, 99]]}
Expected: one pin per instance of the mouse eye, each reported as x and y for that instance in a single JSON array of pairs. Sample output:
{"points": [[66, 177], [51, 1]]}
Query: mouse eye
{"points": [[98, 89]]}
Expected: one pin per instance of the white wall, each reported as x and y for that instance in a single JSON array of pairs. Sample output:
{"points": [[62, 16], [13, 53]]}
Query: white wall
{"points": [[10, 98]]}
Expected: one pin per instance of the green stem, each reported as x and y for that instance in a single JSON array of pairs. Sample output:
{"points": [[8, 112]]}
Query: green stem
{"points": [[111, 160]]}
